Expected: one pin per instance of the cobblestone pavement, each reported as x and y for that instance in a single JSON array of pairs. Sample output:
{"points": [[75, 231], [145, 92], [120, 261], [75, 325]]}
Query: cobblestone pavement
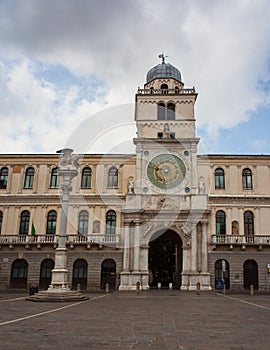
{"points": [[151, 320]]}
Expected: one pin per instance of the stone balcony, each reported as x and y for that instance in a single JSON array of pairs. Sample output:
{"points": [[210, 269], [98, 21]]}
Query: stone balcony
{"points": [[38, 241], [240, 240]]}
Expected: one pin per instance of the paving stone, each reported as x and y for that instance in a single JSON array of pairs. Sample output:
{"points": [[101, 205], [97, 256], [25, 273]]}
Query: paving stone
{"points": [[154, 320]]}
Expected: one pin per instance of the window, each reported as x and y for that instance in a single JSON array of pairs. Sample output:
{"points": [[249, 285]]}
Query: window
{"points": [[219, 179], [161, 111], [54, 178], [164, 88], [83, 223], [29, 178], [248, 223], [176, 90], [24, 222], [51, 223], [3, 178], [86, 178], [247, 179], [170, 111], [164, 113], [1, 221], [220, 223], [113, 178], [110, 222]]}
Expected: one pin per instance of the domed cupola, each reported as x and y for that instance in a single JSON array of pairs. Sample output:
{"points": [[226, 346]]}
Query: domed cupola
{"points": [[163, 70]]}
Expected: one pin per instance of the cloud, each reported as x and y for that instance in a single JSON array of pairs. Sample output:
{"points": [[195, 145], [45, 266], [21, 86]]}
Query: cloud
{"points": [[103, 51]]}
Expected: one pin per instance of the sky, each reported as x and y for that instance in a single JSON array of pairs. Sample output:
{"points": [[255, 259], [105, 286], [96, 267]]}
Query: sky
{"points": [[69, 71]]}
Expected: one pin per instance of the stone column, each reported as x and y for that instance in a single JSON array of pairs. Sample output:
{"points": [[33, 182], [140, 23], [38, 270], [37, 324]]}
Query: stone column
{"points": [[137, 239], [67, 169], [4, 223], [204, 248], [194, 249], [126, 247]]}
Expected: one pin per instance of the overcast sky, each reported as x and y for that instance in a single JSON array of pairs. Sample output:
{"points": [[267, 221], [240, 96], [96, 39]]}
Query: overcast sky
{"points": [[69, 70]]}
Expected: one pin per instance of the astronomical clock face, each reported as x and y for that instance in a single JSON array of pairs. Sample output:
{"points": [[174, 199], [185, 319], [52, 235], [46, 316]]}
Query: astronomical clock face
{"points": [[166, 171]]}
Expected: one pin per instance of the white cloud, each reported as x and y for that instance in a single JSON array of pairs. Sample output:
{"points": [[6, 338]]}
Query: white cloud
{"points": [[221, 47]]}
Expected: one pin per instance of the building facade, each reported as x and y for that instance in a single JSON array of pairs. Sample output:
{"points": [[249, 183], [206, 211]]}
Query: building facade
{"points": [[164, 215]]}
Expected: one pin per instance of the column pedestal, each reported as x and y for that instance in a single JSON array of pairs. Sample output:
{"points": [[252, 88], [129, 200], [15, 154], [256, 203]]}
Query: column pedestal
{"points": [[59, 289]]}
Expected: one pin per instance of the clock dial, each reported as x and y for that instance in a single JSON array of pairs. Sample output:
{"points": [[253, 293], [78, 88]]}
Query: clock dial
{"points": [[166, 171]]}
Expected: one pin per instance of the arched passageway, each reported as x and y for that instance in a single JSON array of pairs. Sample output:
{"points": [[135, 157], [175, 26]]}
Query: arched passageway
{"points": [[79, 274], [165, 259], [19, 272], [222, 274], [108, 274], [45, 277], [251, 274]]}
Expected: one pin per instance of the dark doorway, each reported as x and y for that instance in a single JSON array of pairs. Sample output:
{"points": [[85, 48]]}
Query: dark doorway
{"points": [[79, 274], [222, 274], [45, 277], [251, 274], [108, 274], [165, 260], [19, 272]]}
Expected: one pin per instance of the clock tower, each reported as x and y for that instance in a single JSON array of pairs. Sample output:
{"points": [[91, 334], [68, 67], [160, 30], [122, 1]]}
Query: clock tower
{"points": [[165, 216]]}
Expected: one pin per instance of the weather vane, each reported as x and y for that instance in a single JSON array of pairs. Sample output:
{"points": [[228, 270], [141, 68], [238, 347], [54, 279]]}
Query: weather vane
{"points": [[163, 57]]}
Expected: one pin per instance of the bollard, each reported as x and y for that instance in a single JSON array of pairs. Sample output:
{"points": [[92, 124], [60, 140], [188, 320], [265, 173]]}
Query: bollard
{"points": [[251, 290], [170, 286], [138, 287], [224, 289], [198, 288], [78, 287], [159, 285], [107, 288]]}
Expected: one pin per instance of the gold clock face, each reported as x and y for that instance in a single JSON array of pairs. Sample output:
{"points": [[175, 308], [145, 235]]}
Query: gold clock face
{"points": [[166, 171]]}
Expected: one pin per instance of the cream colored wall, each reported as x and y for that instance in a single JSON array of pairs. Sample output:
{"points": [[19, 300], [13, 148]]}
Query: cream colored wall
{"points": [[234, 200], [41, 199]]}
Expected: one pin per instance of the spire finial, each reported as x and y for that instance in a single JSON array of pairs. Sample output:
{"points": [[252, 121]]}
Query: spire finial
{"points": [[162, 56]]}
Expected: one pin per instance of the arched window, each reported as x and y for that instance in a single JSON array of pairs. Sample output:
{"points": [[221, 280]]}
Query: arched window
{"points": [[170, 111], [151, 90], [161, 111], [3, 178], [24, 222], [83, 223], [247, 179], [51, 222], [113, 178], [29, 178], [110, 222], [164, 88], [220, 223], [219, 179], [86, 178], [248, 223], [54, 178], [176, 90], [19, 272], [1, 221]]}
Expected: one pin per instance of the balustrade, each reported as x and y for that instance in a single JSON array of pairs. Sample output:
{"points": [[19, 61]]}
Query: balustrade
{"points": [[240, 239], [166, 91], [53, 239]]}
